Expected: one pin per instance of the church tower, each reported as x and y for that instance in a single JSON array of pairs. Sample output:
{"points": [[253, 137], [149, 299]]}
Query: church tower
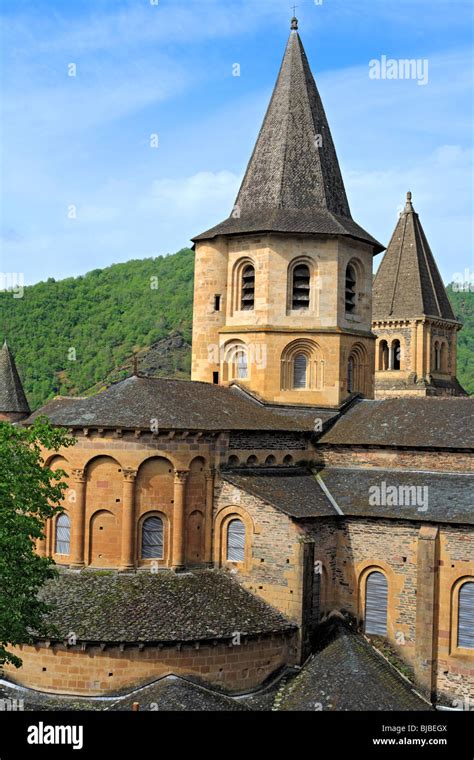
{"points": [[414, 322], [282, 300], [13, 403]]}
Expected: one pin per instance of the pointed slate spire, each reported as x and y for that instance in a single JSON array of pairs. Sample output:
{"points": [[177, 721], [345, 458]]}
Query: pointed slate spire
{"points": [[408, 283], [12, 396], [293, 182]]}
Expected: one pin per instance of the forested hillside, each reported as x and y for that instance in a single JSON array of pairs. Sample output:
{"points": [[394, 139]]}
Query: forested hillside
{"points": [[77, 335], [463, 305], [70, 335]]}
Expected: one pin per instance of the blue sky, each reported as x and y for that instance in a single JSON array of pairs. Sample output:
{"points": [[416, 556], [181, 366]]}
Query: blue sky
{"points": [[166, 69]]}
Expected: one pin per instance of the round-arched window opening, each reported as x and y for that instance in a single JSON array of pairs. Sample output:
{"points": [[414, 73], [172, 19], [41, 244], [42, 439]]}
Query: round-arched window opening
{"points": [[252, 461], [233, 461], [376, 604], [288, 460], [270, 460], [235, 541]]}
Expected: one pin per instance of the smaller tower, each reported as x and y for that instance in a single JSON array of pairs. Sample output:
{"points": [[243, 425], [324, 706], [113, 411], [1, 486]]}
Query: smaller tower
{"points": [[413, 319], [13, 404]]}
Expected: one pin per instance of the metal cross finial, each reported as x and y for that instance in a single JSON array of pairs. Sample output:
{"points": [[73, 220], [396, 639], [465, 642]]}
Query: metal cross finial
{"points": [[294, 20]]}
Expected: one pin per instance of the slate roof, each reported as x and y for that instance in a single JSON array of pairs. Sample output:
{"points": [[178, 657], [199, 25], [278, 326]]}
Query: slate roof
{"points": [[293, 491], [441, 497], [12, 395], [422, 423], [177, 405], [347, 674], [161, 607], [293, 183], [345, 492], [171, 693], [408, 283]]}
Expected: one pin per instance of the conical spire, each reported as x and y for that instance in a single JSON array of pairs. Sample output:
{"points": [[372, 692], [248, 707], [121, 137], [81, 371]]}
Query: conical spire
{"points": [[408, 283], [12, 396], [293, 182]]}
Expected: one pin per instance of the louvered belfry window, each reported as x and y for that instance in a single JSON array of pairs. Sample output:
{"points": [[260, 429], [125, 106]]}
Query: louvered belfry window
{"points": [[300, 366], [152, 538], [63, 535], [376, 602], [236, 541], [466, 616], [248, 288], [351, 281], [301, 287]]}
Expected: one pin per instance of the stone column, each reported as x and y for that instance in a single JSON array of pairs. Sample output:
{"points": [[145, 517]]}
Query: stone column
{"points": [[426, 606], [209, 475], [127, 560], [78, 520], [177, 556]]}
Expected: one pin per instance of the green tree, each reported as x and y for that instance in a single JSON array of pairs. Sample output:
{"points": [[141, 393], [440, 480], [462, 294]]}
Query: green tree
{"points": [[29, 494]]}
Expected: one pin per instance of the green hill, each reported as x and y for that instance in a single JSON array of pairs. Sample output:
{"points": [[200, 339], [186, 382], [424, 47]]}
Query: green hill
{"points": [[70, 335], [463, 305], [77, 335]]}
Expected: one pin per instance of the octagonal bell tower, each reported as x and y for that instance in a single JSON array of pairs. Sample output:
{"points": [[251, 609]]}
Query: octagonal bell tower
{"points": [[283, 287]]}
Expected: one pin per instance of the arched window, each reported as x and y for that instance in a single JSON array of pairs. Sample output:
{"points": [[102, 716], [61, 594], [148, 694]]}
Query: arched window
{"points": [[248, 288], [288, 460], [300, 287], [300, 366], [466, 616], [350, 375], [383, 355], [358, 370], [235, 541], [63, 534], [351, 293], [241, 365], [252, 461], [437, 356], [396, 354], [376, 604], [235, 365], [152, 538]]}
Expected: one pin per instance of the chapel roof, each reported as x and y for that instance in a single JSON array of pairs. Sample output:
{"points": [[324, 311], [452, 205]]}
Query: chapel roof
{"points": [[12, 395], [444, 423], [178, 405], [293, 181], [408, 283], [156, 607]]}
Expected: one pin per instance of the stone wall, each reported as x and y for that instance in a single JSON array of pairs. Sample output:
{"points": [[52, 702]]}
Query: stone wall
{"points": [[392, 458], [101, 670]]}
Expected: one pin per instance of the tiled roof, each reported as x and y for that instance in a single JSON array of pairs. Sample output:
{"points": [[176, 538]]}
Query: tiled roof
{"points": [[161, 607], [439, 497], [12, 396], [408, 283], [178, 405], [414, 422], [293, 491], [293, 182], [347, 674]]}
